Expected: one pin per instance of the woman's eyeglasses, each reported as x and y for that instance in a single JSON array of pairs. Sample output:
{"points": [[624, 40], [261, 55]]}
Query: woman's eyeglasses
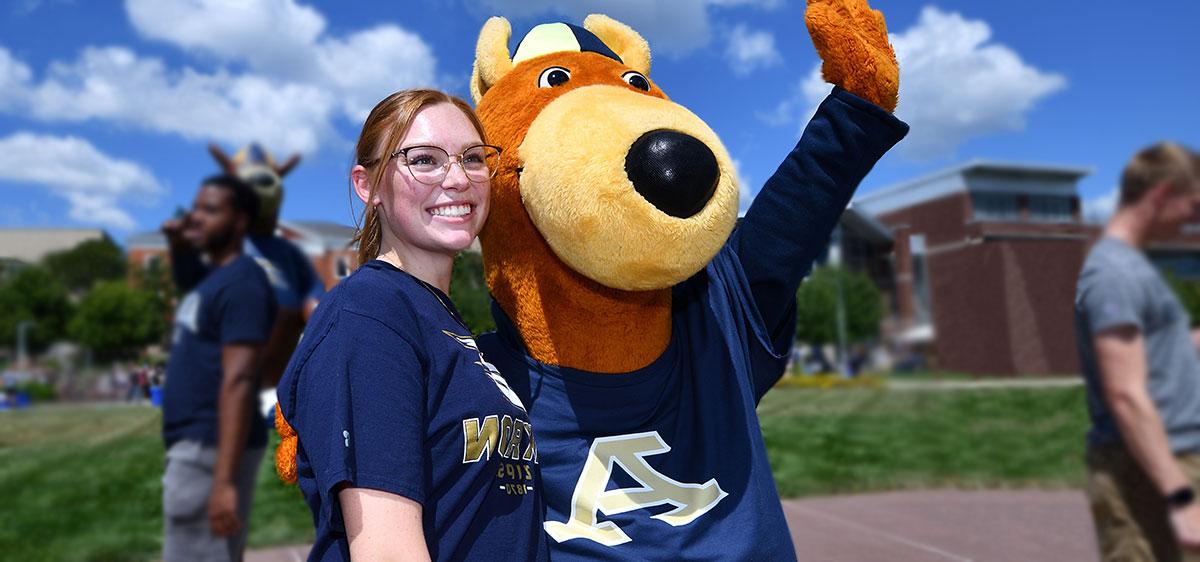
{"points": [[430, 164]]}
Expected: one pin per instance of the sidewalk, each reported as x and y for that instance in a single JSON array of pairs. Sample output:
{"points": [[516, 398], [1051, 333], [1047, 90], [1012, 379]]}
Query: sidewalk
{"points": [[924, 526], [944, 525], [278, 554]]}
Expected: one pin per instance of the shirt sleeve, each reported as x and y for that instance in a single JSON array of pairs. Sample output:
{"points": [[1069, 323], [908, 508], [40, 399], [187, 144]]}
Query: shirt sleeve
{"points": [[360, 412], [1111, 299], [247, 310], [767, 352], [791, 220]]}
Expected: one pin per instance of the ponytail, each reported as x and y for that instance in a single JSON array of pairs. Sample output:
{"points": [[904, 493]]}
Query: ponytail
{"points": [[369, 236]]}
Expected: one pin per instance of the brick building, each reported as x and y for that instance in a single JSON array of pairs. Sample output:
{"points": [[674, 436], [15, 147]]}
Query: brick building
{"points": [[986, 256], [327, 244]]}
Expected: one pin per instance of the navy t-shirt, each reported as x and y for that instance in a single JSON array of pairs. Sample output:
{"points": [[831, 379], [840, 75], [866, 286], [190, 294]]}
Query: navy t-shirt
{"points": [[232, 304], [289, 271], [668, 462], [388, 391]]}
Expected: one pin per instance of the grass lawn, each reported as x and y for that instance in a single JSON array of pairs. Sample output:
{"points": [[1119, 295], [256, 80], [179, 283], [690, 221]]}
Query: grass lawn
{"points": [[83, 482], [856, 440]]}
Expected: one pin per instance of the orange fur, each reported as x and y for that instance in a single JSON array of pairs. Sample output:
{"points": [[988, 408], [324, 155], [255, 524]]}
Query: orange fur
{"points": [[285, 453], [852, 42], [564, 318]]}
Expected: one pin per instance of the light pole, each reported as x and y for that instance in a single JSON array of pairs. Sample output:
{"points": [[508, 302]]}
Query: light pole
{"points": [[22, 348], [836, 261]]}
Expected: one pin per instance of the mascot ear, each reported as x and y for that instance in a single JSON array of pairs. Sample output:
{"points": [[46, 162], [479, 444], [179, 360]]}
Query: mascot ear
{"points": [[492, 60], [287, 166], [222, 159], [631, 47]]}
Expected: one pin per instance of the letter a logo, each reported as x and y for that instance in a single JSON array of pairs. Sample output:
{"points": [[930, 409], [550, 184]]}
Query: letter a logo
{"points": [[690, 500]]}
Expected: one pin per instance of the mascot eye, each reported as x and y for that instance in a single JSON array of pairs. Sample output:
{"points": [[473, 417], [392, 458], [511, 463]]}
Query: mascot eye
{"points": [[636, 80], [554, 76], [262, 180]]}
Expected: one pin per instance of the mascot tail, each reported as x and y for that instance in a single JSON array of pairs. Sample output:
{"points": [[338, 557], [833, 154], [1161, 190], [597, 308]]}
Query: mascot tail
{"points": [[285, 453]]}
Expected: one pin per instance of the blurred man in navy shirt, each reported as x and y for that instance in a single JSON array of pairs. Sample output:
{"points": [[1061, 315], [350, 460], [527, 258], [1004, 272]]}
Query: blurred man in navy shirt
{"points": [[214, 438], [289, 270]]}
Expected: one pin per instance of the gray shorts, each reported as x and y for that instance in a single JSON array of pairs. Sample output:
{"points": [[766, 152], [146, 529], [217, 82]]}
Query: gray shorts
{"points": [[187, 482]]}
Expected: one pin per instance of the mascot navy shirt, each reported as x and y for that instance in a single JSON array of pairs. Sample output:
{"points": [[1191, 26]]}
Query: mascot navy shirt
{"points": [[232, 304], [668, 462], [289, 271], [387, 390]]}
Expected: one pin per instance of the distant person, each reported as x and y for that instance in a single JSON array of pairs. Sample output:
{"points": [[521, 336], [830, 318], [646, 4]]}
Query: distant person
{"points": [[131, 378], [297, 287], [215, 439], [1142, 370], [143, 381], [10, 388]]}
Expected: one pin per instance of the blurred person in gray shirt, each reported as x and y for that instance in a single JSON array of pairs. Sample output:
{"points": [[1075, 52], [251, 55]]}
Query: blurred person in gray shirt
{"points": [[1140, 362]]}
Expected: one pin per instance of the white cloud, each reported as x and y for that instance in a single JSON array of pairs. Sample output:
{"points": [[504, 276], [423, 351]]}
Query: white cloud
{"points": [[114, 84], [749, 50], [274, 35], [673, 27], [92, 183], [280, 79], [14, 79], [806, 96], [954, 85], [286, 41], [369, 65], [1100, 208]]}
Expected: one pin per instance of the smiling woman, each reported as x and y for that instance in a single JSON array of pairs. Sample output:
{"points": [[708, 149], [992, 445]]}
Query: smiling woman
{"points": [[405, 173], [396, 420]]}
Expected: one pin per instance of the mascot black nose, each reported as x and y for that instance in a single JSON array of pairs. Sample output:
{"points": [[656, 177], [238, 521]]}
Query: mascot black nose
{"points": [[675, 172]]}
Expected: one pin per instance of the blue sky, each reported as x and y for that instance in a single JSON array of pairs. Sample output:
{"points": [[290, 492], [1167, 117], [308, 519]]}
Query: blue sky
{"points": [[106, 107]]}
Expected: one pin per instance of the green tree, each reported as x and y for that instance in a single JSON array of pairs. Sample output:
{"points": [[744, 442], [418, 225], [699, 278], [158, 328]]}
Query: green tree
{"points": [[33, 293], [114, 319], [80, 267], [816, 306], [155, 279], [470, 293]]}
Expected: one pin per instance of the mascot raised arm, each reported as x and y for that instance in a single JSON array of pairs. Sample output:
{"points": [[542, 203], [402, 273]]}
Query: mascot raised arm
{"points": [[638, 326]]}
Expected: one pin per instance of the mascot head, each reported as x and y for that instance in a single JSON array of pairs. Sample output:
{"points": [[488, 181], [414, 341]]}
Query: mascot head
{"points": [[257, 167], [626, 188]]}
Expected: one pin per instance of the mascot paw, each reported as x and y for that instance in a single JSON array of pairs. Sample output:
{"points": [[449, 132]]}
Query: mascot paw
{"points": [[852, 42]]}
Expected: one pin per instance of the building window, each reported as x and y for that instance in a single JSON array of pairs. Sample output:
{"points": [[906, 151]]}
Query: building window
{"points": [[1050, 208], [152, 262], [341, 267], [995, 206], [920, 278]]}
